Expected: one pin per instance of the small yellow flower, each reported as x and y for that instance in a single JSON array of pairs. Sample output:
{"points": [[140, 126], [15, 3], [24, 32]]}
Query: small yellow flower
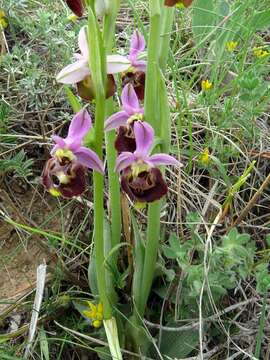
{"points": [[231, 45], [96, 323], [3, 20], [95, 313], [259, 52], [206, 85], [204, 157]]}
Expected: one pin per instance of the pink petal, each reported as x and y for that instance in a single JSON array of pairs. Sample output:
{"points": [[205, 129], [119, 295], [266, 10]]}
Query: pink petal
{"points": [[130, 100], [163, 159], [79, 126], [89, 159], [116, 120], [56, 147], [137, 44], [59, 141], [73, 73], [139, 65], [124, 160], [144, 136], [117, 64], [83, 43]]}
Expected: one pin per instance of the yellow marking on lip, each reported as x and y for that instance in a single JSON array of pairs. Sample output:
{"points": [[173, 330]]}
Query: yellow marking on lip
{"points": [[54, 192], [64, 153]]}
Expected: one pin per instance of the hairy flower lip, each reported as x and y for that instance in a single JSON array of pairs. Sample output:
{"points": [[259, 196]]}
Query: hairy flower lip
{"points": [[125, 139], [147, 187], [140, 177], [67, 180]]}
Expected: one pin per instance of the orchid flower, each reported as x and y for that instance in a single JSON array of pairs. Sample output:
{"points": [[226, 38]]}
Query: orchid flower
{"points": [[180, 3], [136, 72], [124, 120], [131, 110], [137, 47], [79, 72], [71, 147], [140, 177], [64, 173]]}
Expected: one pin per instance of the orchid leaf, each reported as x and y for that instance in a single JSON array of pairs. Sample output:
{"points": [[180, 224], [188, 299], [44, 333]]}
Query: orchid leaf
{"points": [[96, 55], [138, 260], [73, 100]]}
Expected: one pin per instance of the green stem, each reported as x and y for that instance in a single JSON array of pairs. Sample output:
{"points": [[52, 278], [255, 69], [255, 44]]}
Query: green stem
{"points": [[109, 25], [97, 66], [114, 188], [153, 234], [261, 327], [151, 89], [166, 28], [151, 96], [99, 210]]}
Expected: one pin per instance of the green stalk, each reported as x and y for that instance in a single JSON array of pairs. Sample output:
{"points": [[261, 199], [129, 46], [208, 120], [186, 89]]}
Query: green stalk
{"points": [[166, 28], [97, 66], [151, 96], [151, 89], [261, 327], [153, 234], [114, 188], [98, 180]]}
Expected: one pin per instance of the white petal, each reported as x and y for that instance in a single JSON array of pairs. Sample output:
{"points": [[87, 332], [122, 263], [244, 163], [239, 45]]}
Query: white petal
{"points": [[83, 43], [73, 73], [117, 64]]}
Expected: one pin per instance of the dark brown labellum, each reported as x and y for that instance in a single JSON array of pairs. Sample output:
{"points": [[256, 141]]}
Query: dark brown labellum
{"points": [[148, 186], [77, 6], [73, 173], [125, 139], [186, 3], [137, 79]]}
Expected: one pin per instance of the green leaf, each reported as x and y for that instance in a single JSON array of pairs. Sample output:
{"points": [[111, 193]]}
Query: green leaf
{"points": [[73, 100], [138, 262], [203, 19], [103, 352], [44, 347], [261, 20], [97, 55], [178, 344]]}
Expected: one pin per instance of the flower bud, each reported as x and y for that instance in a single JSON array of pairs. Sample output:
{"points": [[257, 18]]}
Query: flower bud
{"points": [[102, 7]]}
